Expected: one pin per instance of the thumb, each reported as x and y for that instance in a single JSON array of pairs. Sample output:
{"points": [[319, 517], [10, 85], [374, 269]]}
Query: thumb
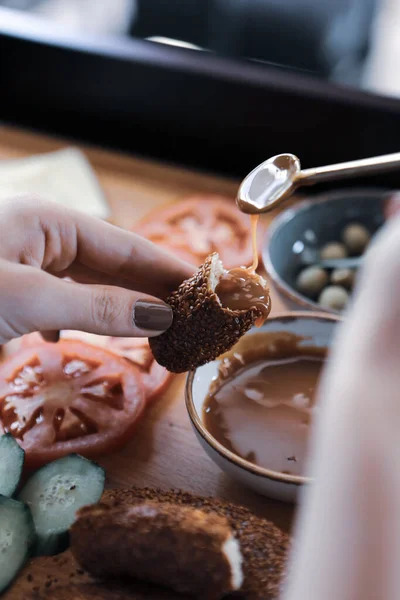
{"points": [[109, 310], [54, 304]]}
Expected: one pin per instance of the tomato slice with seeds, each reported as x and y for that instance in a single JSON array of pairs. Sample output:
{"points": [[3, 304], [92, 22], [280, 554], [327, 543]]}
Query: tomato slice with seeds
{"points": [[194, 228], [137, 350], [155, 378], [56, 399]]}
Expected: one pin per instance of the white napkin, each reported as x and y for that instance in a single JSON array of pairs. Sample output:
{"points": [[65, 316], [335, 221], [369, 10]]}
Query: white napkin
{"points": [[348, 532], [64, 176]]}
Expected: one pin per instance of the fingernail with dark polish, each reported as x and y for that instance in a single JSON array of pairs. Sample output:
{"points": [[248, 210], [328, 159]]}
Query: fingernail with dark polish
{"points": [[152, 315]]}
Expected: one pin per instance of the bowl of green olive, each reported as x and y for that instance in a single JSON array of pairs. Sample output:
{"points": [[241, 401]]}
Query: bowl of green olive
{"points": [[313, 251]]}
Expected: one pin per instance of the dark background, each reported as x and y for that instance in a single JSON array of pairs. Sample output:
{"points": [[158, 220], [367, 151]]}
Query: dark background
{"points": [[275, 78]]}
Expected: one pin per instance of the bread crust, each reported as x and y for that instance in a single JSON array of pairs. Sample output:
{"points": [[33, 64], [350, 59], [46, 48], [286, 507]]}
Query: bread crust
{"points": [[202, 328]]}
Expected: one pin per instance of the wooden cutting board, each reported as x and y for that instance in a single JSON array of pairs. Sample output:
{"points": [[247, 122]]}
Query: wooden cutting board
{"points": [[164, 452]]}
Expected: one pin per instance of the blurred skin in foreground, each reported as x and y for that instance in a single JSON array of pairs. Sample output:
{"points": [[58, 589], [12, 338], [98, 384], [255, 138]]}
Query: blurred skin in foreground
{"points": [[348, 530]]}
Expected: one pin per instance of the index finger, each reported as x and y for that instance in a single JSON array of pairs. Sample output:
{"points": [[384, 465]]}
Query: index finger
{"points": [[114, 251]]}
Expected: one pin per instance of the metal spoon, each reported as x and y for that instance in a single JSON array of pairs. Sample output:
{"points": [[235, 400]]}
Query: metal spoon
{"points": [[310, 257], [277, 178]]}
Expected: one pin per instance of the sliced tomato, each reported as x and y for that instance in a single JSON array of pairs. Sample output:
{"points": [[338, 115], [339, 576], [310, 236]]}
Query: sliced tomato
{"points": [[137, 351], [25, 341], [194, 228], [69, 397]]}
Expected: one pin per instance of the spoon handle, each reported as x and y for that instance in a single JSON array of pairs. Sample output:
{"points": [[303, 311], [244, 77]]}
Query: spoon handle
{"points": [[353, 168], [341, 263]]}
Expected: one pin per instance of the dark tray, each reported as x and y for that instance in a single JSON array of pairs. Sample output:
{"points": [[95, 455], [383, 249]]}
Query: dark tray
{"points": [[184, 106]]}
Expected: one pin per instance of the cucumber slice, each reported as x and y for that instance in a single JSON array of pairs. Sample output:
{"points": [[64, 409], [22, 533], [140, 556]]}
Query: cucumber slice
{"points": [[17, 535], [11, 464], [54, 494]]}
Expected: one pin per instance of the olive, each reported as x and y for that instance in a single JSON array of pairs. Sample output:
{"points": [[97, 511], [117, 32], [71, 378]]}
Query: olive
{"points": [[334, 297], [312, 280], [343, 277], [356, 238], [333, 250]]}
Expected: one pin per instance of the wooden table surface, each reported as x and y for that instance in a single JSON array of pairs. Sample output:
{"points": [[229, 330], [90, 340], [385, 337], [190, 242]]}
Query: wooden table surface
{"points": [[164, 451]]}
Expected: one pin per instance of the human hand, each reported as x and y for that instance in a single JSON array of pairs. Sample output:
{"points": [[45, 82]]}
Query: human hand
{"points": [[113, 273]]}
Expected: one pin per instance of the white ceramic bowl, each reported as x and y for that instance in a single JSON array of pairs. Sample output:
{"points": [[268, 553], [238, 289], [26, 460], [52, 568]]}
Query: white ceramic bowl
{"points": [[319, 329]]}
